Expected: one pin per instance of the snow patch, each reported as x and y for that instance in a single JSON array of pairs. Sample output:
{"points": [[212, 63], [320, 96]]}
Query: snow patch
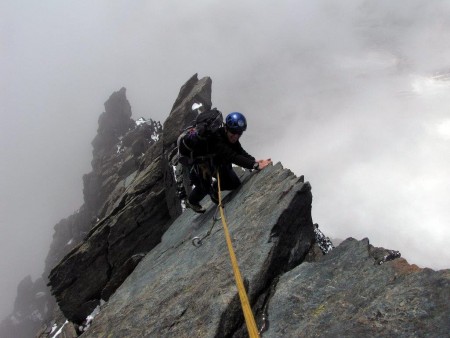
{"points": [[54, 327], [40, 294], [60, 329], [140, 121], [91, 317], [120, 148]]}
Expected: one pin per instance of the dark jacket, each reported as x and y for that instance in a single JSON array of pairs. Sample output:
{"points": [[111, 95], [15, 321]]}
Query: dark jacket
{"points": [[226, 152]]}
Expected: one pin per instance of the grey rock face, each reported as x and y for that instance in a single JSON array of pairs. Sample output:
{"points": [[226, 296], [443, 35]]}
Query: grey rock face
{"points": [[114, 167], [348, 293], [119, 149], [113, 123], [179, 290], [131, 195], [181, 116], [135, 225], [68, 233]]}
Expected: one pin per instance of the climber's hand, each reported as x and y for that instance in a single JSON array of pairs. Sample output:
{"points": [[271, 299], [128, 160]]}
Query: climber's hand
{"points": [[264, 163]]}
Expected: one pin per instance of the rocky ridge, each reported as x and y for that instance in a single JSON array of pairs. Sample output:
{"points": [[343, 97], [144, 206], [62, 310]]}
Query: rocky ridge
{"points": [[118, 150], [131, 245], [352, 292], [181, 290]]}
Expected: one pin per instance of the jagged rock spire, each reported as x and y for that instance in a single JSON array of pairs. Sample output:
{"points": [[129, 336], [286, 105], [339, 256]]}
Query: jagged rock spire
{"points": [[113, 123], [132, 194]]}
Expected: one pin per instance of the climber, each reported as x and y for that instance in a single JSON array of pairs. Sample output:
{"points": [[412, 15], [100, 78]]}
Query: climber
{"points": [[227, 151]]}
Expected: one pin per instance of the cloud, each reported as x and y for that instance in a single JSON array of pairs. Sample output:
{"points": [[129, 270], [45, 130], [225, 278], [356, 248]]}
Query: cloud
{"points": [[443, 129]]}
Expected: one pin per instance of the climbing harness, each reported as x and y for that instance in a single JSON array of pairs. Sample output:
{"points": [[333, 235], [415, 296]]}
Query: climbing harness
{"points": [[198, 240], [248, 314]]}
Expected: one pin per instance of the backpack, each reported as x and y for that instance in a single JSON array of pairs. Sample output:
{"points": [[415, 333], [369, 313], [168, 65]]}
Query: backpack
{"points": [[193, 143]]}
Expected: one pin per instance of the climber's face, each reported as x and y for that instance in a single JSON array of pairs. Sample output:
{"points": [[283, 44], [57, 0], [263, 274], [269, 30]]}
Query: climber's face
{"points": [[233, 138]]}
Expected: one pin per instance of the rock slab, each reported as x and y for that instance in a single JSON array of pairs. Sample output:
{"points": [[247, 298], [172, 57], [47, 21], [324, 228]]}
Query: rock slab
{"points": [[347, 293], [179, 290]]}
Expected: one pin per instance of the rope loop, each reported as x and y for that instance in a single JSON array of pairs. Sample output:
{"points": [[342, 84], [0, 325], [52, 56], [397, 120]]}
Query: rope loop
{"points": [[245, 304]]}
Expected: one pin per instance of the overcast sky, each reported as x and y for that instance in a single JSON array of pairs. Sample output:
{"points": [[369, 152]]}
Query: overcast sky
{"points": [[354, 96]]}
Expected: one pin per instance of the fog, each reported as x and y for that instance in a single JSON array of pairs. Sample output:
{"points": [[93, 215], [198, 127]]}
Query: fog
{"points": [[355, 97]]}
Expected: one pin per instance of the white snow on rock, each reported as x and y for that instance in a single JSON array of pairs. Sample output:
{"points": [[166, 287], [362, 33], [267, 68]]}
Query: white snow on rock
{"points": [[155, 137], [60, 329], [140, 121]]}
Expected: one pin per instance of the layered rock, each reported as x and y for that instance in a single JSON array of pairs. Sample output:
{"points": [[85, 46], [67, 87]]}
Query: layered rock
{"points": [[355, 290], [180, 290], [131, 190], [68, 233], [112, 124], [119, 149], [348, 293], [118, 153], [134, 226], [181, 116]]}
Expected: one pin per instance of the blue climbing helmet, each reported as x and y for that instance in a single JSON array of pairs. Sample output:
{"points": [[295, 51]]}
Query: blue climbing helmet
{"points": [[236, 123]]}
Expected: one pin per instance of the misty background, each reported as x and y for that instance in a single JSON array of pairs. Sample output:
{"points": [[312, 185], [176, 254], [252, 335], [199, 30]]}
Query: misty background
{"points": [[354, 96]]}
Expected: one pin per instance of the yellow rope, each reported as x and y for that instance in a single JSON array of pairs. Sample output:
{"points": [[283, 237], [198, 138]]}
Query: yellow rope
{"points": [[248, 314]]}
